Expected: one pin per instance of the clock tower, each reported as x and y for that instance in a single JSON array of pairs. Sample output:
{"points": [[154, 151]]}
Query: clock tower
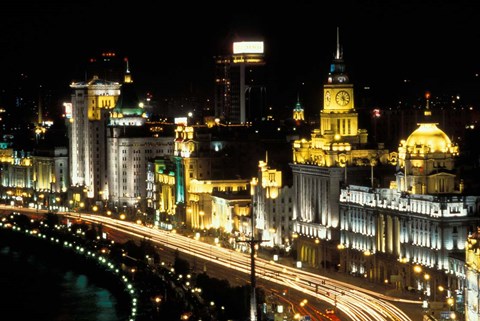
{"points": [[338, 116], [337, 154]]}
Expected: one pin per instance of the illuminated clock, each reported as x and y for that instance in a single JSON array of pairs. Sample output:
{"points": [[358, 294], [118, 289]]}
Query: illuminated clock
{"points": [[328, 98], [342, 98]]}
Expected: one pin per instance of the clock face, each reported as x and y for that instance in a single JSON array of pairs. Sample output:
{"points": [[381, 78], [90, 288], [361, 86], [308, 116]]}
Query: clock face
{"points": [[342, 98], [328, 98]]}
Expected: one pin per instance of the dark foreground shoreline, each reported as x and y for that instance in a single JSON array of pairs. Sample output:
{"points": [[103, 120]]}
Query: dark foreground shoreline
{"points": [[41, 250]]}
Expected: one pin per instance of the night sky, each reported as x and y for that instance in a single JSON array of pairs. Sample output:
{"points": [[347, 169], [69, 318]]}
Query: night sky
{"points": [[170, 45]]}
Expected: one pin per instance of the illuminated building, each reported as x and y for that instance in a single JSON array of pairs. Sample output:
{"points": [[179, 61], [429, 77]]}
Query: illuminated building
{"points": [[129, 153], [162, 192], [16, 176], [336, 153], [472, 290], [51, 169], [202, 212], [240, 93], [25, 175], [272, 207], [298, 114], [130, 145], [231, 213], [206, 163], [210, 160], [91, 105], [423, 219], [110, 143]]}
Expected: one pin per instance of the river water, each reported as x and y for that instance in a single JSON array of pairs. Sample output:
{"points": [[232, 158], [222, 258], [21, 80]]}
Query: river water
{"points": [[46, 288]]}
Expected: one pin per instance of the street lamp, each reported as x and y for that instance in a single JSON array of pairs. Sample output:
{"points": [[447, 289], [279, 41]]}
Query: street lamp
{"points": [[368, 267], [271, 181], [343, 265], [426, 291], [40, 205], [417, 269], [57, 202], [132, 270], [157, 300], [423, 285]]}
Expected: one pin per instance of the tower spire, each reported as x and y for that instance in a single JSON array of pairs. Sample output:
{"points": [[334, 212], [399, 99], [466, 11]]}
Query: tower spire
{"points": [[128, 66], [338, 54], [128, 76], [337, 73], [427, 111], [40, 111]]}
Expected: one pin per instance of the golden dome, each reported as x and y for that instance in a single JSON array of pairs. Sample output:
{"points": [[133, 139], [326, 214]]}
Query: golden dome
{"points": [[428, 134]]}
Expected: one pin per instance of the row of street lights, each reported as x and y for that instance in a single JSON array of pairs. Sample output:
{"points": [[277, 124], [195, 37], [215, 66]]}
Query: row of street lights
{"points": [[424, 285]]}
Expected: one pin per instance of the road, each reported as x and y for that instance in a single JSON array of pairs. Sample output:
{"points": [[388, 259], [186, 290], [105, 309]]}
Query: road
{"points": [[312, 292]]}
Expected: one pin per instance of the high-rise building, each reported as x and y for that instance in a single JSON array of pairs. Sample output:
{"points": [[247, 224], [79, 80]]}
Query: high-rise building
{"points": [[110, 142], [131, 144], [240, 89], [91, 105]]}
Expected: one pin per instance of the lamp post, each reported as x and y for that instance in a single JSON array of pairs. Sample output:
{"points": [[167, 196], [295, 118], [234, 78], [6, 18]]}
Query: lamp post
{"points": [[252, 242], [417, 269], [270, 180], [423, 285], [451, 307], [253, 301], [40, 204], [343, 265], [426, 291], [369, 273]]}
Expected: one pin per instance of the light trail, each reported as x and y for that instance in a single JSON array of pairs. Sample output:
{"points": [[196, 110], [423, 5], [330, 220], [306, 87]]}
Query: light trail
{"points": [[357, 303]]}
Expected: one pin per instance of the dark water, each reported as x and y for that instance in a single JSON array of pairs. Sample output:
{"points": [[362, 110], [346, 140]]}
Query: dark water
{"points": [[35, 287]]}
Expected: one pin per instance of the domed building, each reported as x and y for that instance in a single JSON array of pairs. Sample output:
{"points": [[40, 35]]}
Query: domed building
{"points": [[412, 235], [426, 161]]}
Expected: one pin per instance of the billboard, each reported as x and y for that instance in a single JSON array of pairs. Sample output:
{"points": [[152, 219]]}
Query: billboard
{"points": [[181, 121], [68, 110], [248, 47]]}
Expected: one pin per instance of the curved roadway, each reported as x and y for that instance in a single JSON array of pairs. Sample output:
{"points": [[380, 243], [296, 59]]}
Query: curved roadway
{"points": [[357, 304]]}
